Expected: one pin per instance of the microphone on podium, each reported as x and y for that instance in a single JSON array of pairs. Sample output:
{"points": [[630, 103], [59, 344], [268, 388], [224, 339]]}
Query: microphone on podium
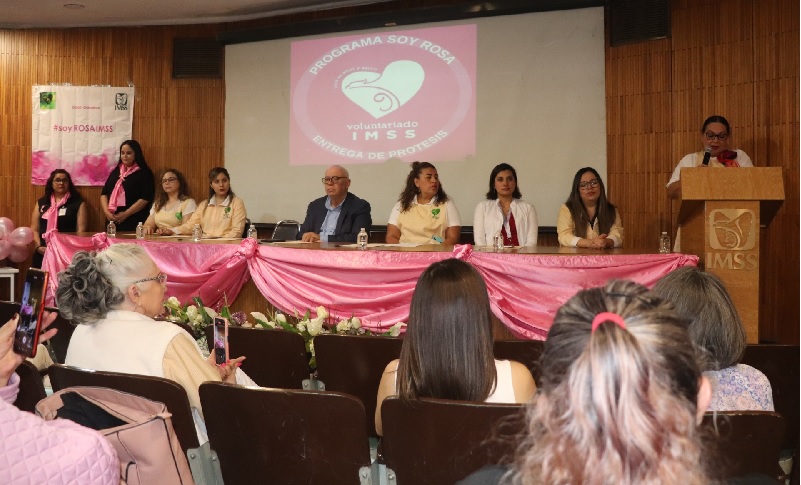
{"points": [[707, 154]]}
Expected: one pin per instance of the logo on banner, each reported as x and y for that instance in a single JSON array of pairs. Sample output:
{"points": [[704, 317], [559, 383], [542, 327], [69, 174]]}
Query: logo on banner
{"points": [[732, 229], [121, 102], [382, 93], [369, 98], [47, 100]]}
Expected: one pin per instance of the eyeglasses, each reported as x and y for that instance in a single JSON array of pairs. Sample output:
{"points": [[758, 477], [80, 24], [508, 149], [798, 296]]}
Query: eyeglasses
{"points": [[711, 135], [169, 179], [589, 184], [333, 180], [60, 181], [161, 278]]}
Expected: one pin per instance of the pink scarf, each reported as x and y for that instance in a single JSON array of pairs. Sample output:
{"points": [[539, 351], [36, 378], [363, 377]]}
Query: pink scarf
{"points": [[117, 197], [51, 214]]}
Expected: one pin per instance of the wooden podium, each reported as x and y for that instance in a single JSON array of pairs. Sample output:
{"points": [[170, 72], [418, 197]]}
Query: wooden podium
{"points": [[721, 211]]}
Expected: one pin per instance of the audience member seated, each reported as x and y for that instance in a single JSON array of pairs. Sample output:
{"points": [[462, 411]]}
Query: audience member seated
{"points": [[620, 398], [717, 331], [340, 215], [715, 133], [113, 296], [447, 348], [172, 204], [221, 215], [424, 213], [587, 219], [129, 189], [61, 209], [504, 213], [32, 450]]}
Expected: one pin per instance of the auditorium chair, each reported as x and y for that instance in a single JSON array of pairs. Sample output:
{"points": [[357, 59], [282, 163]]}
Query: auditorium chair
{"points": [[60, 342], [354, 364], [779, 363], [154, 388], [31, 387], [527, 352], [7, 310], [286, 230], [745, 442], [437, 441], [286, 436], [274, 358]]}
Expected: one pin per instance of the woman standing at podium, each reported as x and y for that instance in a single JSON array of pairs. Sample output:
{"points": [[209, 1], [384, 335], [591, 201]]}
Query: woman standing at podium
{"points": [[715, 137]]}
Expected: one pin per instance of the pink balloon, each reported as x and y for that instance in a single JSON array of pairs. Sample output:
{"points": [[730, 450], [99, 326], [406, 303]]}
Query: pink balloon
{"points": [[21, 236], [5, 248], [19, 254], [6, 226]]}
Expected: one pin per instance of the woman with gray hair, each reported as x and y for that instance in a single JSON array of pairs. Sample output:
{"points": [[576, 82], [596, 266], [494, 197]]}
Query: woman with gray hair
{"points": [[716, 329], [113, 296]]}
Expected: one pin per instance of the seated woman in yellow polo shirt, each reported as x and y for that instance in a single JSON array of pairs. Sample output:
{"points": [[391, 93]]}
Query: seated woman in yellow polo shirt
{"points": [[221, 215], [424, 213]]}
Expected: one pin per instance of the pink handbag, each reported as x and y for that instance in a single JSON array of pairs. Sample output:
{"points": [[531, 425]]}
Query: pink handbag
{"points": [[147, 446]]}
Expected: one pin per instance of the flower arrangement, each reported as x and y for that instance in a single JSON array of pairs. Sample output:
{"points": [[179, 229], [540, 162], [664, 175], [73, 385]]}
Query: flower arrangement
{"points": [[308, 327], [198, 316]]}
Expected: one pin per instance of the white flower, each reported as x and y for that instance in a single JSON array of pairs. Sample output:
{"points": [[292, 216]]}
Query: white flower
{"points": [[395, 330], [343, 326], [259, 317], [173, 301], [322, 312], [191, 313], [355, 323], [211, 312], [302, 325], [315, 326], [280, 317]]}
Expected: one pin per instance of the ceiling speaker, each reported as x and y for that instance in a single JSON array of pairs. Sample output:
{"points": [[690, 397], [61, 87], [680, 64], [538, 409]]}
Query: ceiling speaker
{"points": [[196, 58]]}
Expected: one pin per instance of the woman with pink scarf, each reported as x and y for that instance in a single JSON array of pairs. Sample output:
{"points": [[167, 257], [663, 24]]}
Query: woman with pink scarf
{"points": [[61, 209], [129, 190]]}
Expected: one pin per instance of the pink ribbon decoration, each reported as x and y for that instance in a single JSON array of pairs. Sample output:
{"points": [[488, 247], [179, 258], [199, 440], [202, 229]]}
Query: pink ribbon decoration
{"points": [[525, 290]]}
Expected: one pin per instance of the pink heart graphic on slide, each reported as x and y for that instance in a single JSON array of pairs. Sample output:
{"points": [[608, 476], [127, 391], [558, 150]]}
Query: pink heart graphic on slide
{"points": [[382, 93]]}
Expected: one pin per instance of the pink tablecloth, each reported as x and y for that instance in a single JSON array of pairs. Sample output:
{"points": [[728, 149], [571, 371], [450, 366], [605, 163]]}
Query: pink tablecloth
{"points": [[525, 290]]}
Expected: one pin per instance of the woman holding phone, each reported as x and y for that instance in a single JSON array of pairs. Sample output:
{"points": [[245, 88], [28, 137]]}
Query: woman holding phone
{"points": [[113, 296]]}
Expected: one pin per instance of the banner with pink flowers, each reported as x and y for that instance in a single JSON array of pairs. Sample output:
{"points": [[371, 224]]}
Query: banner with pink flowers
{"points": [[79, 129]]}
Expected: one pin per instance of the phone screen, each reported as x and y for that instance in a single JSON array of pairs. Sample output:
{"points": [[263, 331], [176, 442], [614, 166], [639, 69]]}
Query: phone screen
{"points": [[220, 340], [26, 337]]}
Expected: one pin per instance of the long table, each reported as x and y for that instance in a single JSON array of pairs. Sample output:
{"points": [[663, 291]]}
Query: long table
{"points": [[526, 286]]}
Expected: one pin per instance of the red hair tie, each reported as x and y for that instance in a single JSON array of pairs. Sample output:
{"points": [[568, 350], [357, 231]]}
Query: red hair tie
{"points": [[607, 317]]}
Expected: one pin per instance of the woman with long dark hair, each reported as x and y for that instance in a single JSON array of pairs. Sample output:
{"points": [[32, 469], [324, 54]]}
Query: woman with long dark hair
{"points": [[61, 209], [129, 189], [447, 350], [587, 219], [504, 212]]}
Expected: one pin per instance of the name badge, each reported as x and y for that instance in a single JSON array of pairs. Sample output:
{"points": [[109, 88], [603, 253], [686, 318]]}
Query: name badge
{"points": [[62, 211]]}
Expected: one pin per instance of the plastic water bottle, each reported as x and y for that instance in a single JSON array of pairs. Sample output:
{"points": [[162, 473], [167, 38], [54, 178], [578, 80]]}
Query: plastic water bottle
{"points": [[111, 229], [140, 231], [252, 232], [664, 243], [197, 233], [361, 239], [497, 242]]}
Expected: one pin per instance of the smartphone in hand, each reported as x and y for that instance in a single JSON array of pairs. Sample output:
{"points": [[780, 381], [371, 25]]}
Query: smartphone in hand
{"points": [[29, 326], [220, 340]]}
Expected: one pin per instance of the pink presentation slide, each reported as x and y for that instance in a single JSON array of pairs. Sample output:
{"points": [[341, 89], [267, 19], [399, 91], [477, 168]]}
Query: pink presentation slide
{"points": [[371, 97]]}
